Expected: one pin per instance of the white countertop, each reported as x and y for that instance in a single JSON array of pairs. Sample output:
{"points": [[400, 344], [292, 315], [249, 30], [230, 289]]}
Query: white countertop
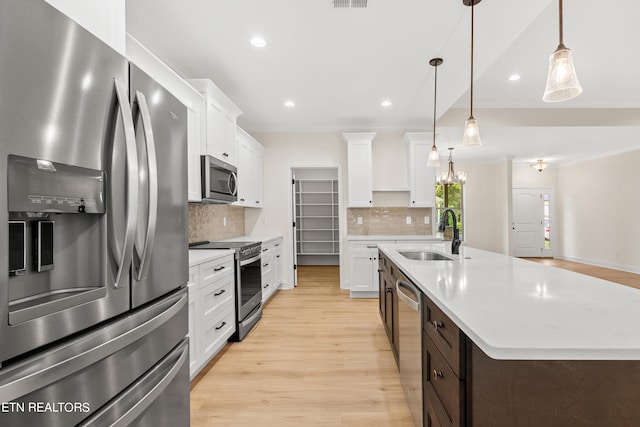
{"points": [[382, 237], [198, 256], [518, 309]]}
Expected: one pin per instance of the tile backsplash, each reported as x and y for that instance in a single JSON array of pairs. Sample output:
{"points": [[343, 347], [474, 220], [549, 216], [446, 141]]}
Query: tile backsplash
{"points": [[388, 221], [207, 222]]}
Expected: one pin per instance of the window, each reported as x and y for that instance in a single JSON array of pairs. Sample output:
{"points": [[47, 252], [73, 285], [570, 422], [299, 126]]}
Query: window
{"points": [[450, 196]]}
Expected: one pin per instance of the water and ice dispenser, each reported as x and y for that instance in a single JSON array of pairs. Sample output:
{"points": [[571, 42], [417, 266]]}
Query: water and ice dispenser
{"points": [[57, 236]]}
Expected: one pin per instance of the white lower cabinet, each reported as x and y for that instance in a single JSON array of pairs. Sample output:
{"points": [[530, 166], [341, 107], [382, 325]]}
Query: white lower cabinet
{"points": [[271, 268], [363, 259], [211, 309], [363, 265]]}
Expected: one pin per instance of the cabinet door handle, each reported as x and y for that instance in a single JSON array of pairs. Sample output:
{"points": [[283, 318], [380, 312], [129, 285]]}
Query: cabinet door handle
{"points": [[221, 326], [388, 290], [217, 294], [277, 256], [225, 154], [242, 200], [380, 270], [265, 265], [436, 375], [437, 325], [219, 268], [265, 286]]}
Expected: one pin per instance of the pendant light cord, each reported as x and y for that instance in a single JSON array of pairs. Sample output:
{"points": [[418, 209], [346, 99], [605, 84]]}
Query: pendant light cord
{"points": [[435, 95], [561, 45], [471, 86]]}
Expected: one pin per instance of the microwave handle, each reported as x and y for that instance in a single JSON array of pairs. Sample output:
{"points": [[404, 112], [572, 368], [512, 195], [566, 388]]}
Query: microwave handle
{"points": [[232, 183], [132, 182], [152, 182]]}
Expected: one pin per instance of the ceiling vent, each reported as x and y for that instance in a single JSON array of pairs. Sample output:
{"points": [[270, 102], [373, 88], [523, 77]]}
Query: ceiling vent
{"points": [[349, 3]]}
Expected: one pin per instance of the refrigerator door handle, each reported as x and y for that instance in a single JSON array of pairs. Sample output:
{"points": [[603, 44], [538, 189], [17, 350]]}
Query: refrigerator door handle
{"points": [[152, 181], [132, 181], [124, 409]]}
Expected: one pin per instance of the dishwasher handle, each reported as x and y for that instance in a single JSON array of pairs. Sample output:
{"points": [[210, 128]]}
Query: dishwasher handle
{"points": [[413, 303]]}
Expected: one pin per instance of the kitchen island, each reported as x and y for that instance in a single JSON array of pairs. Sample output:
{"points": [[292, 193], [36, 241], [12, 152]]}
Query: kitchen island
{"points": [[510, 342]]}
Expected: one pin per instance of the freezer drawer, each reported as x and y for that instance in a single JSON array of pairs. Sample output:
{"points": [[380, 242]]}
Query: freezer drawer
{"points": [[159, 398], [72, 381]]}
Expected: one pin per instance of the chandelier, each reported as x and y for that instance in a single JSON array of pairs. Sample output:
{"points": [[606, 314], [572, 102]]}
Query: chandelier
{"points": [[450, 177], [539, 166]]}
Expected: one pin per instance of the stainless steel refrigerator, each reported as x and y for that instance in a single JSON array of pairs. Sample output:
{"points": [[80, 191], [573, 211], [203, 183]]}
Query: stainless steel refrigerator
{"points": [[93, 231]]}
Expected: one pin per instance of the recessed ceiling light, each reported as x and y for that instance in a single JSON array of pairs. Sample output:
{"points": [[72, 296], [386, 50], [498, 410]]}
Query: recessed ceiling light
{"points": [[386, 103], [514, 77], [258, 42], [289, 103]]}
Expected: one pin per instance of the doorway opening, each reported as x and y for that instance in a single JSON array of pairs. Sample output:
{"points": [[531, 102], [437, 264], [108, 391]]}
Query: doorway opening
{"points": [[316, 216]]}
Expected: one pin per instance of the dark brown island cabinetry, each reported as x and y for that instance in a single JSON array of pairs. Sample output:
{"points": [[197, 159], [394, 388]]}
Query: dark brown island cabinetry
{"points": [[463, 386], [388, 300]]}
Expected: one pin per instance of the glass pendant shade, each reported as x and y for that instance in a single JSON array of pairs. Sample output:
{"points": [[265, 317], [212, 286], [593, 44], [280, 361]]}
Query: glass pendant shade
{"points": [[471, 137], [434, 158], [562, 80]]}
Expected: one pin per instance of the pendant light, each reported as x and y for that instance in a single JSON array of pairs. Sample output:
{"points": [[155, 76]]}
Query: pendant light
{"points": [[434, 156], [471, 137], [539, 166], [562, 80], [450, 177]]}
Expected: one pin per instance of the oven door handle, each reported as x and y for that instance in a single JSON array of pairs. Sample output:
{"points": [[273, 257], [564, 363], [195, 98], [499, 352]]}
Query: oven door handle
{"points": [[250, 260]]}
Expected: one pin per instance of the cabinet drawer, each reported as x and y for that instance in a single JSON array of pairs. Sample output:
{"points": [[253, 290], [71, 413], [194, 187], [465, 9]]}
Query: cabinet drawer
{"points": [[442, 388], [216, 332], [211, 271], [447, 337], [364, 245], [217, 297]]}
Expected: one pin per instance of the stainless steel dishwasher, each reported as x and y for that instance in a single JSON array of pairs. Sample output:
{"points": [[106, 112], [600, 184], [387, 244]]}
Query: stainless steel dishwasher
{"points": [[409, 317]]}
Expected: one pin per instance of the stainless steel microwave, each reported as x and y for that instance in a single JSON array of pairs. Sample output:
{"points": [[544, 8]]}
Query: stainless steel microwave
{"points": [[219, 181]]}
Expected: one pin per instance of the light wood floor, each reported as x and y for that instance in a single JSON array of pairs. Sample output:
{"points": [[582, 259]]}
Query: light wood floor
{"points": [[317, 358], [617, 276]]}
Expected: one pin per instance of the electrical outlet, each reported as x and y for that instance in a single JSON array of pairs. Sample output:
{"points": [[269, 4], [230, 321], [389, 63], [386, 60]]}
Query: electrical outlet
{"points": [[408, 220], [359, 220], [426, 220], [224, 221]]}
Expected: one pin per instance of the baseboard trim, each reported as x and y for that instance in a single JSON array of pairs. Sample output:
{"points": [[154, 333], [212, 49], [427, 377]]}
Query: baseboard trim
{"points": [[626, 268]]}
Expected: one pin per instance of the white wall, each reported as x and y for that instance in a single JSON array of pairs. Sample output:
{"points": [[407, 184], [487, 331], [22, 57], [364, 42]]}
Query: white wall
{"points": [[598, 203], [524, 176], [486, 204]]}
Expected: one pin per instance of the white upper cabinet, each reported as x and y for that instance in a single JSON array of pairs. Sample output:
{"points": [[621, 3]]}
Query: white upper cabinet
{"points": [[186, 94], [360, 177], [249, 171], [103, 18], [422, 178], [219, 126]]}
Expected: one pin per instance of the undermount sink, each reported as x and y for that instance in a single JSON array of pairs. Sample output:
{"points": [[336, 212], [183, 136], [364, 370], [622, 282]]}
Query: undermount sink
{"points": [[424, 256]]}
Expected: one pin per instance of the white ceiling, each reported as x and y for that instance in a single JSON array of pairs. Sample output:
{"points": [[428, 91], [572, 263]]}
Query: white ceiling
{"points": [[339, 64]]}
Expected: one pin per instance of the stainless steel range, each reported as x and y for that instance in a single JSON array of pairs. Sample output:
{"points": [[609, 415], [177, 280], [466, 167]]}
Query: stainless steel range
{"points": [[248, 282]]}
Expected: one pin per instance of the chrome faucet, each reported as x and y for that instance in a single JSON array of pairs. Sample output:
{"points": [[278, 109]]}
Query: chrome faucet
{"points": [[455, 241]]}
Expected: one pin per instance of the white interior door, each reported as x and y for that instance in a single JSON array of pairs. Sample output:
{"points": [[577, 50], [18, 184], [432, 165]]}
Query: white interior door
{"points": [[532, 222], [527, 226]]}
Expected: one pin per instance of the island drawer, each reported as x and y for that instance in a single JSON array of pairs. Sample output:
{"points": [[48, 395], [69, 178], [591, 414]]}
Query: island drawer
{"points": [[446, 336], [444, 392]]}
